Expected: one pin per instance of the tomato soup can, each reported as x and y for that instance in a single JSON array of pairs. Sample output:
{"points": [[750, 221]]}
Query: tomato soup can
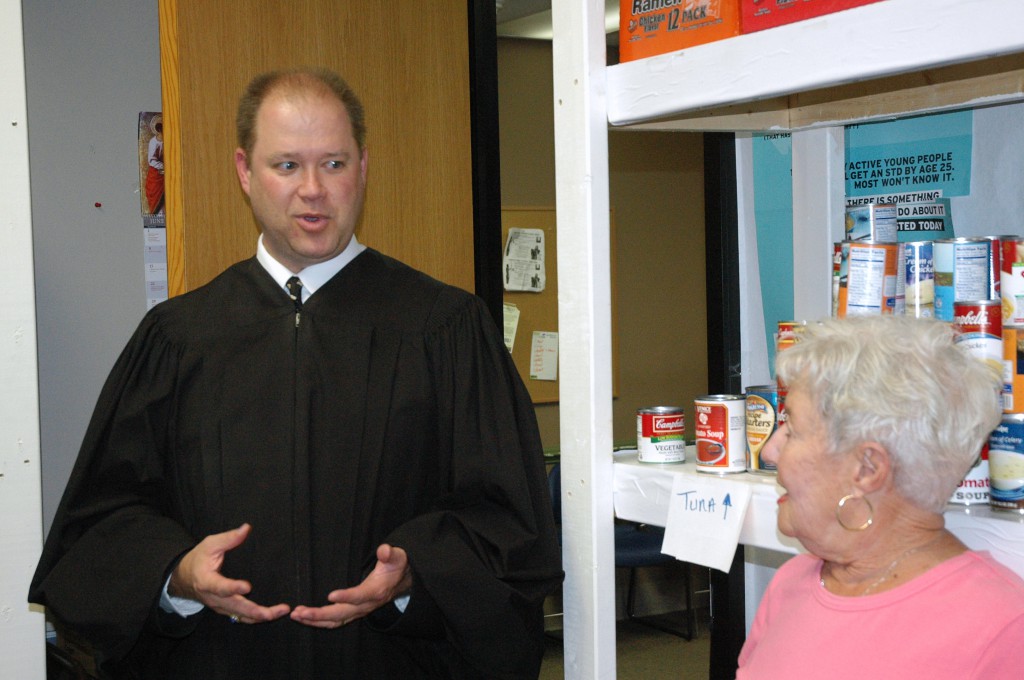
{"points": [[961, 273], [979, 330], [974, 488], [919, 274], [869, 288], [1013, 369], [1011, 279], [762, 404], [720, 428], [1006, 464], [659, 434]]}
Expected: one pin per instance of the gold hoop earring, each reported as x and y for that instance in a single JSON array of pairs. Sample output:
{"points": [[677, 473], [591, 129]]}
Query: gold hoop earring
{"points": [[842, 503]]}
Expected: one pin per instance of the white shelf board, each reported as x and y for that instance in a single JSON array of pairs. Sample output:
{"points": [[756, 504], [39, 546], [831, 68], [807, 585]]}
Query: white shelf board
{"points": [[882, 39]]}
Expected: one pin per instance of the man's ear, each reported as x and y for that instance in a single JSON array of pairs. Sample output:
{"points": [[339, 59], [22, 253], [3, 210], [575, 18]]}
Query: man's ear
{"points": [[874, 467], [242, 168]]}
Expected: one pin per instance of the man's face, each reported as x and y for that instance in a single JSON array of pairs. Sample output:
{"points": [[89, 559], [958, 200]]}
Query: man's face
{"points": [[305, 178]]}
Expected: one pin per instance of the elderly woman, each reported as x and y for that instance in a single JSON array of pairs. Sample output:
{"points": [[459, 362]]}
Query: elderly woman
{"points": [[885, 415]]}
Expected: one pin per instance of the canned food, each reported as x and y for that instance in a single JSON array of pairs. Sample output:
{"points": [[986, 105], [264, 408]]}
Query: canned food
{"points": [[762, 421], [919, 273], [720, 428], [1013, 369], [871, 274], [979, 330], [1006, 464], [974, 488], [1011, 279], [873, 222], [659, 434], [961, 273]]}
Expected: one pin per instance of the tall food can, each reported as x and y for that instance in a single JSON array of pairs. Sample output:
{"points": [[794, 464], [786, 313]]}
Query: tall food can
{"points": [[872, 222], [720, 428], [919, 271], [961, 273], [1006, 464], [659, 434], [869, 286], [1011, 279], [762, 421], [1013, 369]]}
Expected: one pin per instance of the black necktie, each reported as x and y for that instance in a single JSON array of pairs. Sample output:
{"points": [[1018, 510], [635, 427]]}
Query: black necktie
{"points": [[295, 293], [294, 286]]}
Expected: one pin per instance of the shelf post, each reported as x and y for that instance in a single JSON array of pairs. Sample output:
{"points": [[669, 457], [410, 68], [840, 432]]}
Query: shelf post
{"points": [[584, 320]]}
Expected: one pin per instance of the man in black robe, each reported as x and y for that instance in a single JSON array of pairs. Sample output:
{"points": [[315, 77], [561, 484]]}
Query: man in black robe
{"points": [[338, 480]]}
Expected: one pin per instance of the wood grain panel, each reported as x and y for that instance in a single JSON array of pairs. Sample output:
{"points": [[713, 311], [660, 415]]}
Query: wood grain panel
{"points": [[410, 67]]}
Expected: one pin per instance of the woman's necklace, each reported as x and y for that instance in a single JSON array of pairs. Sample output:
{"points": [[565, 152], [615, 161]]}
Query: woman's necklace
{"points": [[888, 571]]}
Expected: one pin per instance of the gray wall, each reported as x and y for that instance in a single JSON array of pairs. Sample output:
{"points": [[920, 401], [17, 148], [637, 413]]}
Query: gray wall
{"points": [[91, 67]]}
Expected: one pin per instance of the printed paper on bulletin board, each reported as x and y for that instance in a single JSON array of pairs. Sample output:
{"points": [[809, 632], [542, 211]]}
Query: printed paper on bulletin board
{"points": [[538, 312]]}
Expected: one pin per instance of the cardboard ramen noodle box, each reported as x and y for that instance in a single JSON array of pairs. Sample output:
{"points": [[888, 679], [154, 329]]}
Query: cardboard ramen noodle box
{"points": [[650, 27], [761, 14]]}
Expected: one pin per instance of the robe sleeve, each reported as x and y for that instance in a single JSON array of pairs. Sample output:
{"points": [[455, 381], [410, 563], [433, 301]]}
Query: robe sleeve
{"points": [[485, 558], [112, 542]]}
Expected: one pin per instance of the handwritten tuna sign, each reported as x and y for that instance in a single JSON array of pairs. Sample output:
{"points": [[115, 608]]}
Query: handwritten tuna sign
{"points": [[704, 520]]}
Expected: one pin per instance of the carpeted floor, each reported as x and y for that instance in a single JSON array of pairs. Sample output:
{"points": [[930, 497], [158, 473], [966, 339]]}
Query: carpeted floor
{"points": [[644, 654]]}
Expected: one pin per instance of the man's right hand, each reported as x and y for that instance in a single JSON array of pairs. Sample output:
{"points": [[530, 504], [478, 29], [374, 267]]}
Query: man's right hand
{"points": [[197, 577]]}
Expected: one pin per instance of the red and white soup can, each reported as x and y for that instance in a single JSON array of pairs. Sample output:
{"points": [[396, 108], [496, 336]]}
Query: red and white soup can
{"points": [[659, 434], [720, 428]]}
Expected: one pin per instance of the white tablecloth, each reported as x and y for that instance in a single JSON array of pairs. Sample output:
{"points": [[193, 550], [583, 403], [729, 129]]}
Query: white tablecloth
{"points": [[642, 492]]}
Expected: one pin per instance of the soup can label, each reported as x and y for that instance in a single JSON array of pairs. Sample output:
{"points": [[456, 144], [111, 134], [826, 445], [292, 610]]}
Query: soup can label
{"points": [[979, 330], [974, 488], [1013, 369], [873, 222], [762, 420], [919, 270], [867, 278], [1006, 464], [720, 428], [1011, 279], [961, 273], [659, 434]]}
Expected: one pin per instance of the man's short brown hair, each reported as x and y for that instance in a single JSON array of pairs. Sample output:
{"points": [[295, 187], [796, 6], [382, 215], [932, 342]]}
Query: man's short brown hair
{"points": [[296, 82]]}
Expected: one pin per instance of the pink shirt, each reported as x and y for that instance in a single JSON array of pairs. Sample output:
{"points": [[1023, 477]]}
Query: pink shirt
{"points": [[960, 620]]}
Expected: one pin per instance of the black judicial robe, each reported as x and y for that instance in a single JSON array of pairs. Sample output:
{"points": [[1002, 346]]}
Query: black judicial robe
{"points": [[390, 413]]}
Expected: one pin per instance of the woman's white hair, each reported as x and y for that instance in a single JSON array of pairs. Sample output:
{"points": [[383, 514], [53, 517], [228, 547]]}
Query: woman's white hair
{"points": [[902, 382]]}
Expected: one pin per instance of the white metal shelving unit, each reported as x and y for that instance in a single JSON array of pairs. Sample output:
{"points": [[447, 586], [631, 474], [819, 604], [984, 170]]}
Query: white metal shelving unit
{"points": [[872, 62]]}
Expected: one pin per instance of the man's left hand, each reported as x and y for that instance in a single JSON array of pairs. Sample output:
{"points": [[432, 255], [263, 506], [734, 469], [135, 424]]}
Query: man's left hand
{"points": [[391, 578]]}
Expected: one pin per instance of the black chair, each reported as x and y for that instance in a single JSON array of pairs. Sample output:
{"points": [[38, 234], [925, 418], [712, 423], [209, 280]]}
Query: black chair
{"points": [[636, 546]]}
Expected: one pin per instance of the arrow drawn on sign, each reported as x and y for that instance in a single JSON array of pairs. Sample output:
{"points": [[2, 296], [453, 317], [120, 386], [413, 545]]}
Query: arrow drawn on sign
{"points": [[727, 503]]}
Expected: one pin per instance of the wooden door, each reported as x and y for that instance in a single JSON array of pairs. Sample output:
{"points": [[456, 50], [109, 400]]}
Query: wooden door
{"points": [[409, 64]]}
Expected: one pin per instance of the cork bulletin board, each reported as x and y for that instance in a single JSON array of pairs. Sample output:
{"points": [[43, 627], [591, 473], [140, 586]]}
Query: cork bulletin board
{"points": [[538, 311]]}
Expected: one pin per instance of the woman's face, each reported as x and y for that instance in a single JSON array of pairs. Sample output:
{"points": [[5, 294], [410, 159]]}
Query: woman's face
{"points": [[813, 479]]}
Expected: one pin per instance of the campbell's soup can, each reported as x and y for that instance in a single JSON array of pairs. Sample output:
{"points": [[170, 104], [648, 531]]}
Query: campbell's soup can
{"points": [[720, 428], [919, 273], [961, 273], [762, 406], [659, 434], [1011, 279], [1013, 369], [979, 330], [974, 488], [869, 285], [1006, 464]]}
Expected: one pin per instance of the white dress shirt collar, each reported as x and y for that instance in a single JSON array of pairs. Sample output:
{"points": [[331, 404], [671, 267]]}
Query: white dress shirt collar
{"points": [[312, 276]]}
